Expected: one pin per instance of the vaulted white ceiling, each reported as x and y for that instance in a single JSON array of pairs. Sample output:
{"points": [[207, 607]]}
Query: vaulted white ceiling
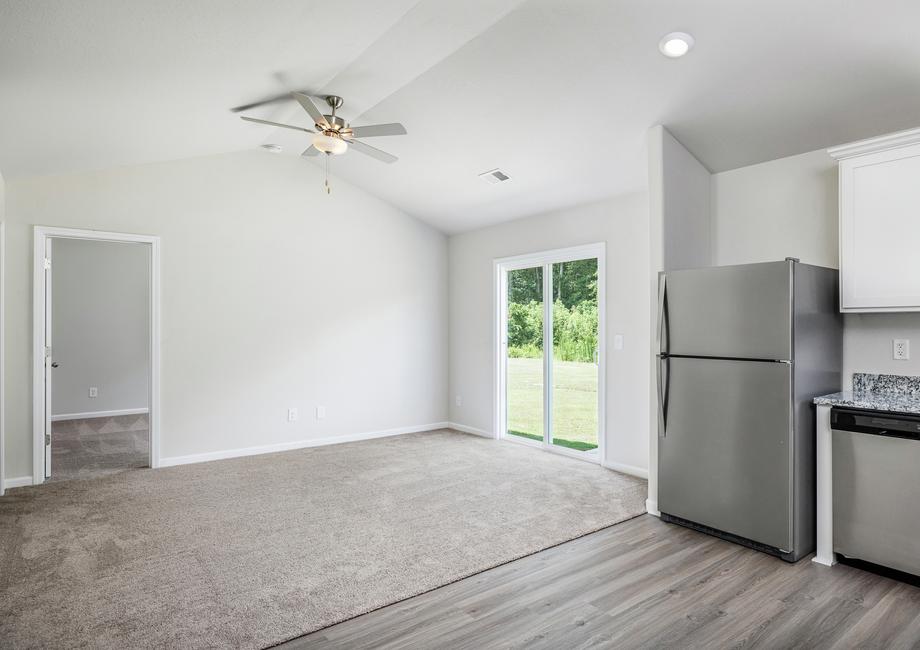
{"points": [[557, 93]]}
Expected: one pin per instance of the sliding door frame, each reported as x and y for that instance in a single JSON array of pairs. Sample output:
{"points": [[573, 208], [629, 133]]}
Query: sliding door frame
{"points": [[42, 235], [546, 259]]}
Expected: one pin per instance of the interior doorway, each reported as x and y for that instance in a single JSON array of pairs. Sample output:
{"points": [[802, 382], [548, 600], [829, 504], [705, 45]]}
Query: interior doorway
{"points": [[550, 361], [96, 354]]}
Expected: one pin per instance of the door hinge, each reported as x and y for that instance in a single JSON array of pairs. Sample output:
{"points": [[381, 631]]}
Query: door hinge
{"points": [[47, 439], [47, 263]]}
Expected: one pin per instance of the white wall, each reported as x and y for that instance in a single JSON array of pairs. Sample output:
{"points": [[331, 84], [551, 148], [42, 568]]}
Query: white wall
{"points": [[774, 210], [867, 344], [685, 207], [679, 238], [623, 224], [788, 208], [100, 326], [275, 295]]}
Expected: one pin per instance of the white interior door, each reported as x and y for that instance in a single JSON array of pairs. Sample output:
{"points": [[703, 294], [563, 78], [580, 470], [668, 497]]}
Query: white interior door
{"points": [[43, 352], [48, 357]]}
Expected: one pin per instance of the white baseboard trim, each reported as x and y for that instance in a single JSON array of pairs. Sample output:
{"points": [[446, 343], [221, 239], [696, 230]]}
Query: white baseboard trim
{"points": [[651, 507], [98, 414], [473, 430], [632, 470], [296, 444], [19, 481]]}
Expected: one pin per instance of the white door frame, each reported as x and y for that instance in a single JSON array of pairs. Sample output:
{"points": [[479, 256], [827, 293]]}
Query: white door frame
{"points": [[500, 340], [41, 236]]}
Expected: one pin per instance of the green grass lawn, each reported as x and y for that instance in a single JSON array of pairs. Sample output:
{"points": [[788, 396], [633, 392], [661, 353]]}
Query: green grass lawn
{"points": [[574, 402]]}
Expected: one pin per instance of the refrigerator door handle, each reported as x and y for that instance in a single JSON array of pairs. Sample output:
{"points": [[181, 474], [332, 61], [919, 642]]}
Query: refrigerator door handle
{"points": [[663, 389], [662, 306]]}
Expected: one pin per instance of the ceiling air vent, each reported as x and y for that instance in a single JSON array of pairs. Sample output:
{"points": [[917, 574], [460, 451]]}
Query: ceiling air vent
{"points": [[494, 176]]}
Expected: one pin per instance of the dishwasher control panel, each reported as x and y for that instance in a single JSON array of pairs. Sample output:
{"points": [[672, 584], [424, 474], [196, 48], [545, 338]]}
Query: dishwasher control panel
{"points": [[880, 423]]}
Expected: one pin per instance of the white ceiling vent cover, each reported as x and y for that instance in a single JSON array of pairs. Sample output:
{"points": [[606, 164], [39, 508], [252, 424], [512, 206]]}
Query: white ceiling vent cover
{"points": [[494, 176]]}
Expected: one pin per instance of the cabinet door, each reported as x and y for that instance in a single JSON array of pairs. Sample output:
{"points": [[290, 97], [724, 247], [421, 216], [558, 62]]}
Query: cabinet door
{"points": [[880, 231]]}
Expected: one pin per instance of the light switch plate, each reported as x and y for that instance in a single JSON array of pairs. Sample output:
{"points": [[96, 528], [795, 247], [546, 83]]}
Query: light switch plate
{"points": [[292, 415], [617, 341], [320, 412], [93, 391]]}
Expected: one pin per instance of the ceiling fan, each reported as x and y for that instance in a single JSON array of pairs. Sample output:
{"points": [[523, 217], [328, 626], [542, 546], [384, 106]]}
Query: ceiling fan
{"points": [[333, 135]]}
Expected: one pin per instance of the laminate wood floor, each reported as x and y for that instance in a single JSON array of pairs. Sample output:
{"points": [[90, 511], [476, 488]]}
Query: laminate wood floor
{"points": [[645, 584]]}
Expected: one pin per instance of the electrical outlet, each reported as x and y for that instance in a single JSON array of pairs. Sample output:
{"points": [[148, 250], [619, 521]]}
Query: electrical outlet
{"points": [[93, 391], [459, 400], [900, 349], [320, 412], [292, 415], [617, 341]]}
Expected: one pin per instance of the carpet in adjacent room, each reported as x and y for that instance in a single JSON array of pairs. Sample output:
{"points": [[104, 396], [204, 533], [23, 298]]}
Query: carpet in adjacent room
{"points": [[93, 447]]}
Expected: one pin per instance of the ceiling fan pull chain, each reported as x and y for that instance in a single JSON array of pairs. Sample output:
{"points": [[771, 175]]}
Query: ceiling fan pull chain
{"points": [[326, 163]]}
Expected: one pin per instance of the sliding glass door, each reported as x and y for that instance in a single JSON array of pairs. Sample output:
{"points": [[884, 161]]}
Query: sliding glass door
{"points": [[549, 357], [524, 362], [574, 355]]}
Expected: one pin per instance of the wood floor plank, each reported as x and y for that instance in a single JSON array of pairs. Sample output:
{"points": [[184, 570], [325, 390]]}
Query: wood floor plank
{"points": [[885, 621], [640, 584]]}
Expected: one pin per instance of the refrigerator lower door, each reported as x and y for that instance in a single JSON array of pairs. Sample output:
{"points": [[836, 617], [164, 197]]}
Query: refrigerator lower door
{"points": [[725, 456]]}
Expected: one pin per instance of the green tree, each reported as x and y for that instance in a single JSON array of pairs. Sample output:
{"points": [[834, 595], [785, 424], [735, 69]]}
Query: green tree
{"points": [[575, 282], [574, 311], [525, 285]]}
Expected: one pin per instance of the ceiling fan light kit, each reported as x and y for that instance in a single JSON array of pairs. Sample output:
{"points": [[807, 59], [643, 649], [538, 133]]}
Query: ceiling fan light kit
{"points": [[333, 135], [330, 144]]}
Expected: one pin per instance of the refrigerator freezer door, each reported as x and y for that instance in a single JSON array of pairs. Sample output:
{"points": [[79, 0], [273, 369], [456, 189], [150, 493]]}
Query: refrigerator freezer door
{"points": [[743, 312], [725, 460]]}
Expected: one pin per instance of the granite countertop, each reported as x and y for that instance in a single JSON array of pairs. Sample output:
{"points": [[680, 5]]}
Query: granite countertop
{"points": [[897, 393]]}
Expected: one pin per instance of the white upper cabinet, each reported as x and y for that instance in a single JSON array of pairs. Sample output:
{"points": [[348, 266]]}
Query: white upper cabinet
{"points": [[880, 223]]}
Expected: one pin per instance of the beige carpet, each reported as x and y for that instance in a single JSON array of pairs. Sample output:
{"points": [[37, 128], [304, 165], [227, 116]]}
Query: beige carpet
{"points": [[253, 551], [94, 447]]}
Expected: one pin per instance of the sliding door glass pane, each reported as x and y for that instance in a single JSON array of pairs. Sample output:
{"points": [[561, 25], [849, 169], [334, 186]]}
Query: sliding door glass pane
{"points": [[574, 369], [525, 353]]}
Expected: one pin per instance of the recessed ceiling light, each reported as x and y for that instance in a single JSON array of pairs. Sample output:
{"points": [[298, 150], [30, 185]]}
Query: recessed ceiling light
{"points": [[675, 44], [274, 148]]}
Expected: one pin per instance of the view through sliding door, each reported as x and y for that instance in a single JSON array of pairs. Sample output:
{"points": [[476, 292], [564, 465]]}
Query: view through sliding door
{"points": [[550, 352], [525, 364]]}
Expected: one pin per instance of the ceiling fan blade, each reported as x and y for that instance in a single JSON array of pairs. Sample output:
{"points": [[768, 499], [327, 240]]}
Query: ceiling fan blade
{"points": [[284, 126], [311, 109], [310, 151], [373, 152], [262, 102], [374, 130]]}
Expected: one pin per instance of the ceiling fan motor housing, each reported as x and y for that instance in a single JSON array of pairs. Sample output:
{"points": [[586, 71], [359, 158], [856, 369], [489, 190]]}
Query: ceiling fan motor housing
{"points": [[336, 124]]}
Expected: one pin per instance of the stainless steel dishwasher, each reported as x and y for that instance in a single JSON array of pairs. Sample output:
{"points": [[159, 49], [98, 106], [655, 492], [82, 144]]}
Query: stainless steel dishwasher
{"points": [[876, 478]]}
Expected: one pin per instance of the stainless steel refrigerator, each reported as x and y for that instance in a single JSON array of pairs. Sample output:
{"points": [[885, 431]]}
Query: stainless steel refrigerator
{"points": [[742, 352]]}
